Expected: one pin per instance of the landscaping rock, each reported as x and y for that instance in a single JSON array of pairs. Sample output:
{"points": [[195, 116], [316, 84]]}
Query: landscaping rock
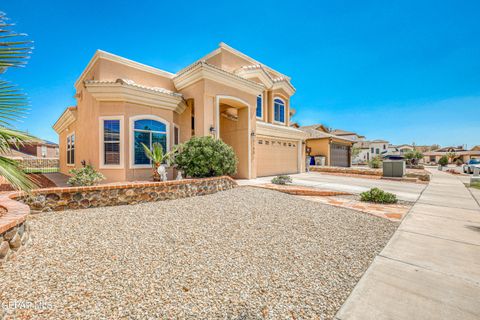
{"points": [[10, 234], [4, 248]]}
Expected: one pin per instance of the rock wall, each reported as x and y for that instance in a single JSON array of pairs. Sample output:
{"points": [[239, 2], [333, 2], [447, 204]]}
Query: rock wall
{"points": [[58, 199], [14, 229]]}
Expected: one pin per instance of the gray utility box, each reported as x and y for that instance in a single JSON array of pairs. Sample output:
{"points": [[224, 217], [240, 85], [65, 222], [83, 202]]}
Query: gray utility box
{"points": [[394, 168]]}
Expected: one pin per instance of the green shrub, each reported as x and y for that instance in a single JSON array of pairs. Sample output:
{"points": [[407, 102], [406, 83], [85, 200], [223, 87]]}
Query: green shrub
{"points": [[459, 162], [282, 180], [375, 163], [443, 161], [202, 157], [378, 196], [85, 176]]}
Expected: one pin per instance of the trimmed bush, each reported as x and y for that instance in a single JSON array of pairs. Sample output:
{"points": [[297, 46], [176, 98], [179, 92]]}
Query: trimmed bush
{"points": [[282, 180], [202, 157], [85, 176], [375, 163], [378, 196], [443, 161]]}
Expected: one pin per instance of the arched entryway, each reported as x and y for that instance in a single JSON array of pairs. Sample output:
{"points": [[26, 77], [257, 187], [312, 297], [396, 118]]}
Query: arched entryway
{"points": [[233, 127]]}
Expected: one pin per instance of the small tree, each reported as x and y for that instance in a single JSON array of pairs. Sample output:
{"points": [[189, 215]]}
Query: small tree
{"points": [[157, 157], [203, 157], [375, 163], [443, 161], [413, 156], [451, 156]]}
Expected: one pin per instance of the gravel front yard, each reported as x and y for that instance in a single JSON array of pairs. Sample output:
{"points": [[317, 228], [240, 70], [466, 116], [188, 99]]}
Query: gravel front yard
{"points": [[246, 253]]}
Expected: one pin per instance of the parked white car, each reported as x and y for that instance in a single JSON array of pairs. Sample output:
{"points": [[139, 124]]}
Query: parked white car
{"points": [[470, 165]]}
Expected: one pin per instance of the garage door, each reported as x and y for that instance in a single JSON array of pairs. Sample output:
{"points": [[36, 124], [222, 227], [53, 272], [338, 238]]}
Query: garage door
{"points": [[340, 155], [276, 157]]}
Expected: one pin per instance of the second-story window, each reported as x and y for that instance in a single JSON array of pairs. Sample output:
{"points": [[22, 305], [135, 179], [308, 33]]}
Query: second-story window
{"points": [[279, 110], [259, 106]]}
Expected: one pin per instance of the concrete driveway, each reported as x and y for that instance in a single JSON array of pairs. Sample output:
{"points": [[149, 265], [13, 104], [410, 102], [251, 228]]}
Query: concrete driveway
{"points": [[407, 191]]}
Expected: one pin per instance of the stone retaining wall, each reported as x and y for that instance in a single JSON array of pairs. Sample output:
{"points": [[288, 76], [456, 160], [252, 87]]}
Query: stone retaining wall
{"points": [[39, 163], [58, 199], [14, 229]]}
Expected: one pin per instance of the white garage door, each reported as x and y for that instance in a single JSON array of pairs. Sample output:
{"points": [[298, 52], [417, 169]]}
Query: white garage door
{"points": [[275, 157]]}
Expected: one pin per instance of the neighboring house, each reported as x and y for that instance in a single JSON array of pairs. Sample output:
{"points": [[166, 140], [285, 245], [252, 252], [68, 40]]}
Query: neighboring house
{"points": [[336, 149], [39, 149], [371, 149], [347, 135], [226, 94], [404, 148], [459, 154]]}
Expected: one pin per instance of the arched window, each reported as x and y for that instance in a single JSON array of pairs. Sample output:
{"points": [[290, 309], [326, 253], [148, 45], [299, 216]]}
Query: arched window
{"points": [[147, 131], [279, 110]]}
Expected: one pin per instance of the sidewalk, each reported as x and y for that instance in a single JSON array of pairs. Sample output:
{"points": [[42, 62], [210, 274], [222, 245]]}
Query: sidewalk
{"points": [[430, 269]]}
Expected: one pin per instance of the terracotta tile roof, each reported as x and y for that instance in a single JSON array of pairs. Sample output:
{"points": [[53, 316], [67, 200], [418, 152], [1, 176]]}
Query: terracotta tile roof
{"points": [[132, 83]]}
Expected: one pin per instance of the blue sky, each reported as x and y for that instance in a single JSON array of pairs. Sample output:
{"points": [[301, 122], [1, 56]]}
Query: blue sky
{"points": [[405, 71]]}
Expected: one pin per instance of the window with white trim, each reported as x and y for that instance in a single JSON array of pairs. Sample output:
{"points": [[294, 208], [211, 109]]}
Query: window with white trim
{"points": [[279, 110], [260, 106], [148, 132], [111, 142], [44, 151], [71, 149]]}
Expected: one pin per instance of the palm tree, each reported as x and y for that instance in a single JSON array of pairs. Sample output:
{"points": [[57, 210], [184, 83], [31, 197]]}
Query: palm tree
{"points": [[13, 53], [157, 157]]}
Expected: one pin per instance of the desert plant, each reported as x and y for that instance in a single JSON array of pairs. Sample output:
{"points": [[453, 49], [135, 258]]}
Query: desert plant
{"points": [[451, 156], [378, 196], [202, 157], [84, 176], [282, 179], [413, 156], [158, 157], [14, 52], [459, 162], [375, 163], [443, 161]]}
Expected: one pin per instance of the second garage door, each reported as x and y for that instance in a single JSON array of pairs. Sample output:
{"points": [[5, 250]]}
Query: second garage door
{"points": [[275, 157], [340, 155]]}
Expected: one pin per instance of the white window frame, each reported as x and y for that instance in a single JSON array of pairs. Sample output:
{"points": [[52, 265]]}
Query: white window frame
{"points": [[132, 138], [284, 111], [66, 149], [261, 107], [43, 151], [173, 135], [102, 143]]}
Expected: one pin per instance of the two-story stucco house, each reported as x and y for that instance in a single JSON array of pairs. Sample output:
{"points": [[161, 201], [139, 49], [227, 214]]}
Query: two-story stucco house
{"points": [[226, 94]]}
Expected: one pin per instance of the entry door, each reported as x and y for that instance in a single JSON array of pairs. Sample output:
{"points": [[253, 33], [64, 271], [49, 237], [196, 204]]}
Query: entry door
{"points": [[340, 155]]}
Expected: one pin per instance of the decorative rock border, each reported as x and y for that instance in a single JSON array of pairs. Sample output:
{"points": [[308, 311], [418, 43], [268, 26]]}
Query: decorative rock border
{"points": [[14, 229], [348, 170], [58, 199]]}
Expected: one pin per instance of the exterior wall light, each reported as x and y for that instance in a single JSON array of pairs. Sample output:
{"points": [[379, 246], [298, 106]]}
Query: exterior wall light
{"points": [[252, 134], [212, 130]]}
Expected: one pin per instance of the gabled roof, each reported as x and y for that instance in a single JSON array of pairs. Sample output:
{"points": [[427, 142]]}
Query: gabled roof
{"points": [[313, 133], [224, 46], [318, 126], [100, 54]]}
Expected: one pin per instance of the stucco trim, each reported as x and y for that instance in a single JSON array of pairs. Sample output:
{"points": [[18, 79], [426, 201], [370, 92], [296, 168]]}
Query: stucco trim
{"points": [[279, 131], [260, 73], [120, 91], [202, 70], [285, 85], [67, 118], [131, 138], [102, 164]]}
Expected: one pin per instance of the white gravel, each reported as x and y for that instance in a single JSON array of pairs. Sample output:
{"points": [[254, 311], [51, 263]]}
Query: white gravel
{"points": [[246, 253]]}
